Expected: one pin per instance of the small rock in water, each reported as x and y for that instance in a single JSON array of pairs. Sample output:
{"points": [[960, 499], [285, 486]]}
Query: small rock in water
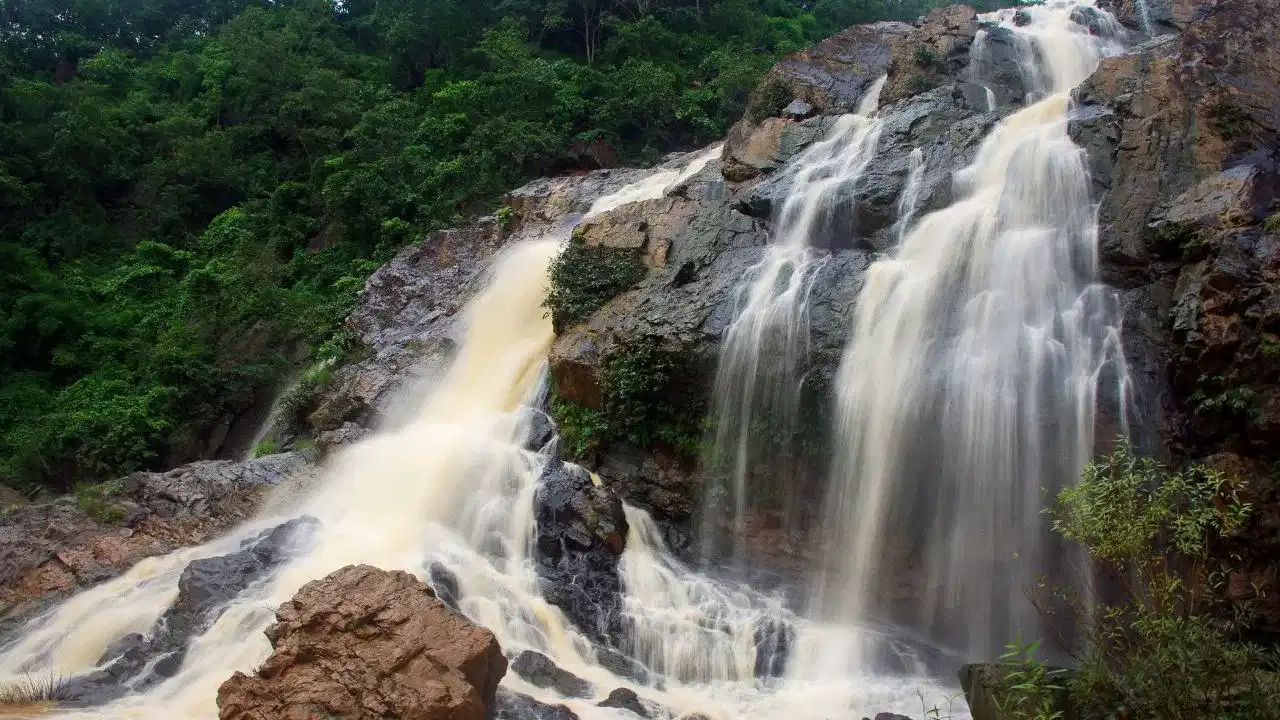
{"points": [[539, 429], [445, 583], [518, 706], [622, 666], [627, 699], [773, 640], [540, 670]]}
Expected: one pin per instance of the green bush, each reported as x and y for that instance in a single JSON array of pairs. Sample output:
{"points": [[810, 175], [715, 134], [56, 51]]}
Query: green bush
{"points": [[97, 501], [769, 100], [582, 430], [926, 57], [266, 446], [584, 278], [1170, 645], [637, 386]]}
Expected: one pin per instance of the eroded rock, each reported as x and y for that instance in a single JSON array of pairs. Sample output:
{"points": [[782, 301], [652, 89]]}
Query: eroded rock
{"points": [[580, 534], [367, 643], [50, 550]]}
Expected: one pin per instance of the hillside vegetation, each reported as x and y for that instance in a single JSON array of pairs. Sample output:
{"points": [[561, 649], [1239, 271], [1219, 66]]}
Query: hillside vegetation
{"points": [[192, 191]]}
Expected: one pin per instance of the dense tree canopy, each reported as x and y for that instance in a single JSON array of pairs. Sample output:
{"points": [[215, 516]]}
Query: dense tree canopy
{"points": [[191, 191]]}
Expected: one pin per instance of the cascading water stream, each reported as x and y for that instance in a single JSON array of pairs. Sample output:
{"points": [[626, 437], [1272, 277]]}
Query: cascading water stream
{"points": [[757, 387], [980, 347]]}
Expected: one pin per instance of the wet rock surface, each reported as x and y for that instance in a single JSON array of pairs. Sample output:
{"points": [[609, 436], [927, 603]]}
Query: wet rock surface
{"points": [[580, 534], [1182, 133], [137, 662], [367, 643], [50, 550], [406, 320], [539, 670], [511, 705]]}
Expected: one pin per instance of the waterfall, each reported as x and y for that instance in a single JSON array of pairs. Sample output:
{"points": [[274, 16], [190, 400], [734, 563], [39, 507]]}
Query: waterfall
{"points": [[451, 485], [756, 397], [979, 349]]}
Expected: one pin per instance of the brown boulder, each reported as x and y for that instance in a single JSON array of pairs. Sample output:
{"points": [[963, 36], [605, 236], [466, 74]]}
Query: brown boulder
{"points": [[368, 643]]}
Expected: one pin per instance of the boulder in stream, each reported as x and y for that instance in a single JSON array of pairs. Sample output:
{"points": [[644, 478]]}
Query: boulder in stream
{"points": [[365, 643]]}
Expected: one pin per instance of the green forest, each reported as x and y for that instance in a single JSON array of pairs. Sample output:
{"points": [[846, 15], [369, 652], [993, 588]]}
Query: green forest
{"points": [[193, 191]]}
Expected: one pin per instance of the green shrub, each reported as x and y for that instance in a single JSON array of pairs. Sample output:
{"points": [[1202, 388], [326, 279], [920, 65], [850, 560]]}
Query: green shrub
{"points": [[1227, 119], [636, 388], [507, 217], [1170, 645], [1031, 690], [770, 99], [926, 57], [96, 501], [266, 446], [1215, 397], [582, 429], [584, 278]]}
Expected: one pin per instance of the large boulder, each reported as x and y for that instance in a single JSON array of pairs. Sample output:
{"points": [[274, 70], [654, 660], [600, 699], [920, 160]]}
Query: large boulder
{"points": [[367, 643], [50, 550], [580, 533]]}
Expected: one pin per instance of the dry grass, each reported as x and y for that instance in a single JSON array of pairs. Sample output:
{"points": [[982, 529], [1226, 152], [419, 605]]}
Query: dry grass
{"points": [[33, 689]]}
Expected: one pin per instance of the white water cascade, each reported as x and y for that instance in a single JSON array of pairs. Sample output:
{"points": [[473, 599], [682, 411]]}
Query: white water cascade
{"points": [[981, 347], [756, 398]]}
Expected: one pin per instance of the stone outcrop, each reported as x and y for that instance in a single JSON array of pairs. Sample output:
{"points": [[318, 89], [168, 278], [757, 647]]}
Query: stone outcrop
{"points": [[1182, 135], [580, 534], [367, 643], [50, 550], [829, 78]]}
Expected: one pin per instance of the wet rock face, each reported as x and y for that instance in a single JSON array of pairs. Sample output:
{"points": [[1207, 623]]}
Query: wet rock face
{"points": [[932, 53], [366, 643], [517, 706], [205, 589], [406, 320], [538, 669], [1182, 133], [833, 76], [48, 551], [580, 532]]}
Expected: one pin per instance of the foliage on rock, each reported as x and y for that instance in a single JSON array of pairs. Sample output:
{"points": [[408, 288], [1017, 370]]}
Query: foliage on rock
{"points": [[585, 277], [1167, 641], [638, 387]]}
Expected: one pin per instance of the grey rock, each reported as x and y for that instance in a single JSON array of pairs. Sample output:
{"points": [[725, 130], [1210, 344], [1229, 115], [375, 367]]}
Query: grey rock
{"points": [[580, 531], [799, 110], [206, 586], [627, 699], [509, 705], [538, 669], [157, 512], [445, 583]]}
